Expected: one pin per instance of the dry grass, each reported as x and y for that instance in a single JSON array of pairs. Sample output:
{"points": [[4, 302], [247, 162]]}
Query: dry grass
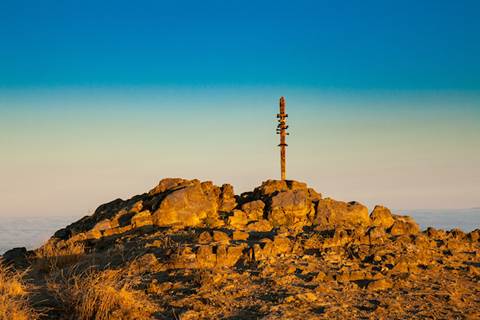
{"points": [[99, 295], [53, 256], [14, 296]]}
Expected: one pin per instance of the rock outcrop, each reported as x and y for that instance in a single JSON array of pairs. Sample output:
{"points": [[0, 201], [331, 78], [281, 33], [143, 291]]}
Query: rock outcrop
{"points": [[281, 251]]}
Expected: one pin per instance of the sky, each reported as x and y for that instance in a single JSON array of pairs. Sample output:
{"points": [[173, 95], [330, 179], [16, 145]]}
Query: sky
{"points": [[102, 99]]}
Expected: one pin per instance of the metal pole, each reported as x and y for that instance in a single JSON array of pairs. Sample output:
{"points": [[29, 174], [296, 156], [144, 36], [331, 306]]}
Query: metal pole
{"points": [[282, 131]]}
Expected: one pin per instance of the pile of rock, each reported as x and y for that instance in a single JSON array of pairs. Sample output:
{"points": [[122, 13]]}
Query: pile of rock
{"points": [[279, 251]]}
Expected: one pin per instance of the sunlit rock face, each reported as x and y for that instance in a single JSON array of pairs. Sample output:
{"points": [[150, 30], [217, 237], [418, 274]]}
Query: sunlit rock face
{"points": [[181, 203], [284, 244]]}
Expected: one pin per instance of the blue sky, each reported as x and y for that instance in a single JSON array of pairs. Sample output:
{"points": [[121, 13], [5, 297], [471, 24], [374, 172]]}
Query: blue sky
{"points": [[346, 44], [101, 99]]}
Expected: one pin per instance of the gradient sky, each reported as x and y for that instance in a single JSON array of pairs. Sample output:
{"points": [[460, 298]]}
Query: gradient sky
{"points": [[101, 100]]}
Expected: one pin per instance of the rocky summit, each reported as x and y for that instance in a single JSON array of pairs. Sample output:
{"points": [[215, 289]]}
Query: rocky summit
{"points": [[195, 250]]}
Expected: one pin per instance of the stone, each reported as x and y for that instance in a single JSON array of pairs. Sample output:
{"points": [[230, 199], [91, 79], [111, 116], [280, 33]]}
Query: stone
{"points": [[187, 206], [404, 225], [141, 219], [381, 217], [227, 198], [168, 184], [205, 237], [234, 253], [474, 236], [307, 297], [281, 244], [381, 284], [314, 195], [63, 234], [289, 208], [16, 257], [270, 187], [240, 235], [260, 226], [435, 233], [238, 220], [376, 233], [331, 213], [205, 257], [254, 209], [102, 225], [220, 236], [296, 185], [137, 206]]}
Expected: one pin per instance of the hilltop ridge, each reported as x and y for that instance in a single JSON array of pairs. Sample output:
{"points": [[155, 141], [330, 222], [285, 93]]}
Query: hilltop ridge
{"points": [[194, 250]]}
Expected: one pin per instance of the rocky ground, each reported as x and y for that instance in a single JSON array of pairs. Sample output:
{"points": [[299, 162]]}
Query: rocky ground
{"points": [[194, 250]]}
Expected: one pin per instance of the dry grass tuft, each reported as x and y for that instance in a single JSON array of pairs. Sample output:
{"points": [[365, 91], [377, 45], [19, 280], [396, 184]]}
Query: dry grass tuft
{"points": [[14, 296], [53, 256], [99, 295]]}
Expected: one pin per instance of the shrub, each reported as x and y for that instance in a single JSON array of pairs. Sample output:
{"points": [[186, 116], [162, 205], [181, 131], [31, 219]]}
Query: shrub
{"points": [[99, 295], [14, 291]]}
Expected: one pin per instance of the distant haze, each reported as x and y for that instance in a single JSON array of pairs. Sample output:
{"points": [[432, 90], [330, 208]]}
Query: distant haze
{"points": [[100, 100]]}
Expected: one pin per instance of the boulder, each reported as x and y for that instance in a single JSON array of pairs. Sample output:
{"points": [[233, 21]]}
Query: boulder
{"points": [[227, 200], [404, 225], [271, 187], [205, 257], [314, 195], [205, 237], [16, 257], [254, 209], [141, 219], [290, 207], [169, 184], [381, 217], [188, 206], [331, 213], [240, 235], [259, 226], [381, 284], [220, 236], [238, 220]]}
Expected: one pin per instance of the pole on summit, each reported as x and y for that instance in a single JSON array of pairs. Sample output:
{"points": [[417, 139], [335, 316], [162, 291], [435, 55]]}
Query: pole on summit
{"points": [[282, 131]]}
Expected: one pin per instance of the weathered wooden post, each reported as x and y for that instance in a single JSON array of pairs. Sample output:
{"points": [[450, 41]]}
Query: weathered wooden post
{"points": [[282, 131]]}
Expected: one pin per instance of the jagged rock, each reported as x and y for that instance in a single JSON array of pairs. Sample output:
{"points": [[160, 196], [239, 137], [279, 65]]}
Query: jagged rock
{"points": [[314, 195], [260, 226], [228, 256], [227, 198], [102, 225], [381, 217], [435, 234], [141, 219], [376, 234], [331, 213], [205, 237], [16, 257], [404, 225], [205, 257], [381, 284], [474, 236], [169, 184], [290, 208], [63, 234], [220, 236], [270, 187], [254, 209], [238, 220], [240, 235], [188, 206]]}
